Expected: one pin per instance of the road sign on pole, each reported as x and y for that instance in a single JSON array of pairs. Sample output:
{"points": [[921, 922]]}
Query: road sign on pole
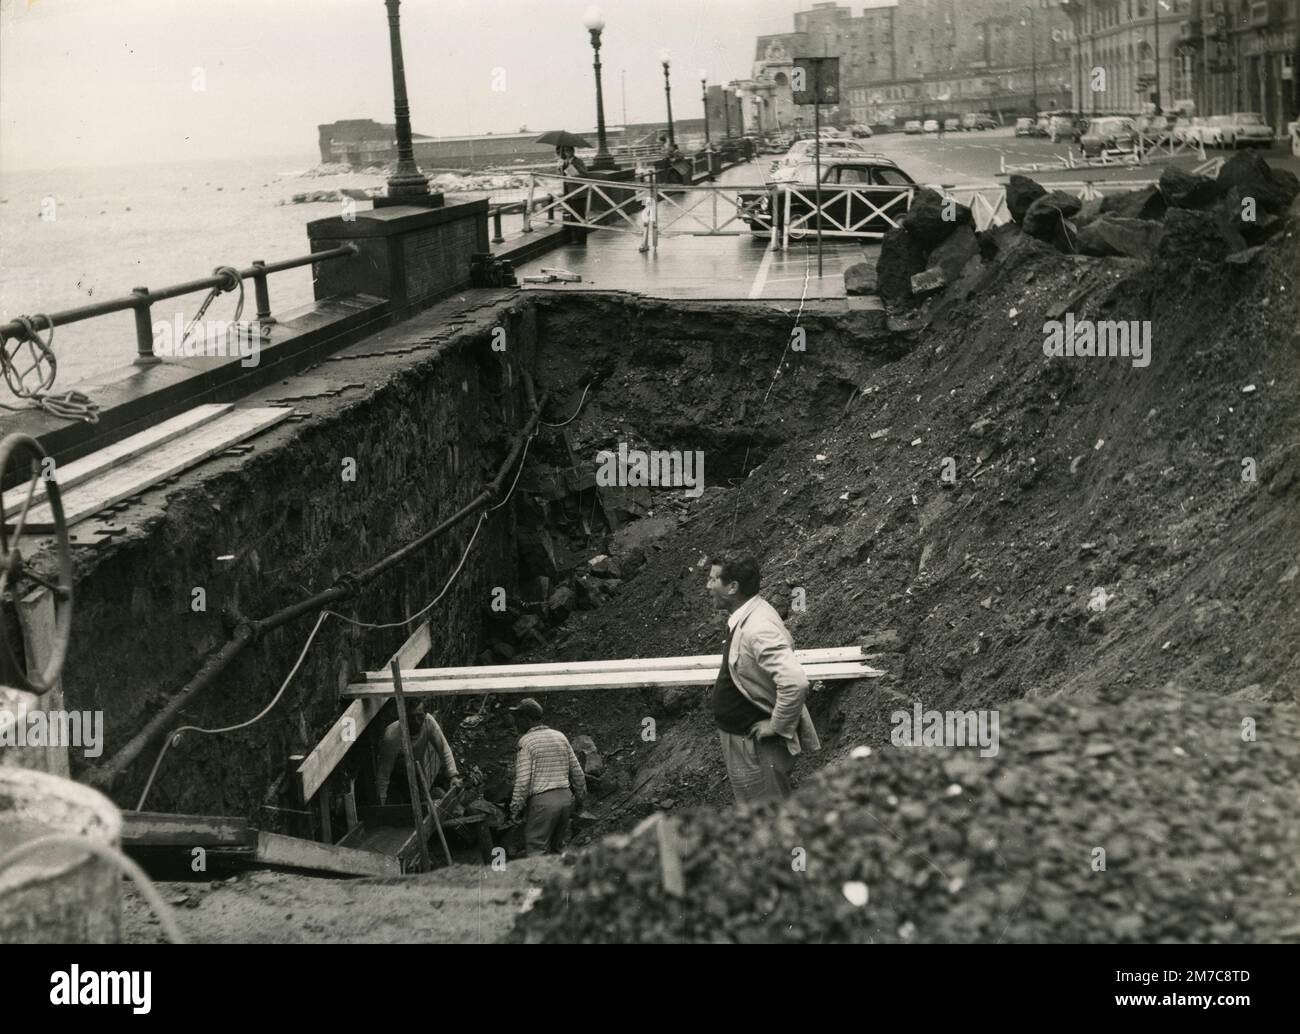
{"points": [[816, 81]]}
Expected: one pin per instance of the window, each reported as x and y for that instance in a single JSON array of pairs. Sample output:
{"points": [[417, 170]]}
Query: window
{"points": [[891, 178], [854, 175]]}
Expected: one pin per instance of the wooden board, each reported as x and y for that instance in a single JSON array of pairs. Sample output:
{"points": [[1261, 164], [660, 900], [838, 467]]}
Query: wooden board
{"points": [[415, 685], [146, 470], [713, 660], [38, 618], [160, 829], [325, 757], [295, 853], [105, 459]]}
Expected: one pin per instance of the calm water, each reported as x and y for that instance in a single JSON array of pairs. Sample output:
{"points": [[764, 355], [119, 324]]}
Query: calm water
{"points": [[150, 225]]}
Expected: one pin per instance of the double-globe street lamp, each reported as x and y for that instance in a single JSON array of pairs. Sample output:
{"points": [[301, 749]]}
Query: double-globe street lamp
{"points": [[595, 24]]}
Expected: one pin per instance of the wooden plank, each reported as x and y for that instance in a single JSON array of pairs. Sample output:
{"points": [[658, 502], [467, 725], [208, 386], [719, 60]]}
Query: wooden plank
{"points": [[161, 829], [105, 459], [416, 685], [408, 757], [144, 471], [327, 754], [705, 661], [295, 853]]}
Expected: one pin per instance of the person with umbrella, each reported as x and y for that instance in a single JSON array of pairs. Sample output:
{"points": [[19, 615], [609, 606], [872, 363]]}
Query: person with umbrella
{"points": [[570, 165]]}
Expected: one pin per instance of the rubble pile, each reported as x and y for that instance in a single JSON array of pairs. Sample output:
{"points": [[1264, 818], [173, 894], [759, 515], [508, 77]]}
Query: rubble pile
{"points": [[1184, 218], [1157, 817]]}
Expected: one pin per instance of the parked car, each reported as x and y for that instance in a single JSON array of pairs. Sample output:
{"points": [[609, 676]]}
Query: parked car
{"points": [[1186, 128], [1026, 127], [861, 131], [1112, 133], [1062, 127], [764, 211], [1245, 129], [931, 125], [912, 126], [952, 125], [1293, 131], [978, 120]]}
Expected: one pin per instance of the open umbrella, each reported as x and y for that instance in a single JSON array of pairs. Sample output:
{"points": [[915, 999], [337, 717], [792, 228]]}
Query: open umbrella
{"points": [[561, 138]]}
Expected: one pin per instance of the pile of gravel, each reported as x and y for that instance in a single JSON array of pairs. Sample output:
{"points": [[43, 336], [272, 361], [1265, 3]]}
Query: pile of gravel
{"points": [[1193, 802]]}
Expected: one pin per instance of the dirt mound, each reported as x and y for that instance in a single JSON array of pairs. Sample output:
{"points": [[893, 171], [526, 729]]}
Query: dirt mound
{"points": [[1161, 817]]}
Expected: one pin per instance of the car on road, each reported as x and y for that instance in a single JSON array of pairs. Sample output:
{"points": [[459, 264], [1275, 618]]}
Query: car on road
{"points": [[978, 120], [861, 131], [912, 126], [1026, 127], [952, 125], [887, 182], [1111, 133], [1244, 129], [931, 125]]}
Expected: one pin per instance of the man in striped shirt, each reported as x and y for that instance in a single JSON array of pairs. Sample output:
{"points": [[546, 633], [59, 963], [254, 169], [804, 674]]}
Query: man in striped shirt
{"points": [[548, 779]]}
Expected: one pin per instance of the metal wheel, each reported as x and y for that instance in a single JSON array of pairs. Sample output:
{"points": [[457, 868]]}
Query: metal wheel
{"points": [[16, 580]]}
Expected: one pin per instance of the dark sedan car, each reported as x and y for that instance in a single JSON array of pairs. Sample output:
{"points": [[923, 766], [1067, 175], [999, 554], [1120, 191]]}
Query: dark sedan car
{"points": [[861, 195]]}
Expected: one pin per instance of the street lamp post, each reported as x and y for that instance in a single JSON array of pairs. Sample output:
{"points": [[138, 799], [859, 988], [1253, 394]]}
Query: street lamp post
{"points": [[1156, 9], [1074, 11], [726, 112], [406, 181], [668, 95], [1033, 60], [595, 24], [704, 96]]}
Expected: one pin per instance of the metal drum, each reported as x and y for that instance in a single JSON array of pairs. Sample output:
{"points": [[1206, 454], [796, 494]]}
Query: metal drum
{"points": [[58, 895]]}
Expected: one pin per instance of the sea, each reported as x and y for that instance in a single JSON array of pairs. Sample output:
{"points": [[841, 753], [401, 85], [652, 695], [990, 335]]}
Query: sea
{"points": [[69, 237]]}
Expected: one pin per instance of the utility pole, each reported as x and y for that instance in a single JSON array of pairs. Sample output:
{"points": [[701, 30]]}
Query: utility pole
{"points": [[1156, 9]]}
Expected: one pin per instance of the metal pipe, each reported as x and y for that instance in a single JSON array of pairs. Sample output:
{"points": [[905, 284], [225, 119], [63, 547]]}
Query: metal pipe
{"points": [[109, 774], [143, 329]]}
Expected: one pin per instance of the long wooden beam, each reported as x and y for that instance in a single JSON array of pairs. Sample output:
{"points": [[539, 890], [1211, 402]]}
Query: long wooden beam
{"points": [[707, 661], [416, 683], [163, 829], [325, 757]]}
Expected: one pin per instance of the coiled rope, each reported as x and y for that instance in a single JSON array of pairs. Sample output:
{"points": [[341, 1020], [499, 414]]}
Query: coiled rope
{"points": [[69, 405]]}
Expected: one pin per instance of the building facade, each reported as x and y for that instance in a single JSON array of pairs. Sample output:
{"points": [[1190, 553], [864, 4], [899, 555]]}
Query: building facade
{"points": [[926, 58]]}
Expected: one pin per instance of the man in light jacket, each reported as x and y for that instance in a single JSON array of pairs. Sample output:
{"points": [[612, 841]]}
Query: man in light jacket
{"points": [[758, 698]]}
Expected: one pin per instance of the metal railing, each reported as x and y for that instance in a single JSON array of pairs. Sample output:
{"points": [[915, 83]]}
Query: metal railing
{"points": [[141, 300], [858, 212]]}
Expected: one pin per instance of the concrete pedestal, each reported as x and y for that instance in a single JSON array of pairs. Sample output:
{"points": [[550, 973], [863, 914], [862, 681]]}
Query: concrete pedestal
{"points": [[410, 255]]}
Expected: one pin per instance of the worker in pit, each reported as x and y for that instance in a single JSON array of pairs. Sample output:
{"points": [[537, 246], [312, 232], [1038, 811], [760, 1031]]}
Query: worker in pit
{"points": [[548, 781], [432, 753]]}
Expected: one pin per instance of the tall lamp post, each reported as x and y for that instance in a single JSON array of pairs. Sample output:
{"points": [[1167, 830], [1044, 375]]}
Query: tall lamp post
{"points": [[1074, 11], [595, 23], [406, 181], [1033, 59], [668, 94], [1156, 9], [704, 95]]}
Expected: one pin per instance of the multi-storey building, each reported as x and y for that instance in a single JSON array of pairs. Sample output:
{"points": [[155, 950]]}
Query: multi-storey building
{"points": [[918, 58]]}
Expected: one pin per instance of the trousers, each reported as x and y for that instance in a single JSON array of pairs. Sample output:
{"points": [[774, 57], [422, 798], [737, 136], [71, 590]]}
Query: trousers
{"points": [[546, 826], [759, 770]]}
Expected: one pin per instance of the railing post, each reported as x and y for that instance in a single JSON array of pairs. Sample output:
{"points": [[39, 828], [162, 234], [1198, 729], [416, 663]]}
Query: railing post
{"points": [[528, 207], [144, 329], [496, 226], [262, 294]]}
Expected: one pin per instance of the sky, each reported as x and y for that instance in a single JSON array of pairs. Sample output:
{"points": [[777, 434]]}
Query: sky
{"points": [[87, 83]]}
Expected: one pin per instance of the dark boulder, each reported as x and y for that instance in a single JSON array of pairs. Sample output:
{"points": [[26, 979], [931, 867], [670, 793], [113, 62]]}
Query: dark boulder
{"points": [[926, 220], [901, 258], [1021, 193], [1116, 235], [1146, 203], [1047, 218], [1088, 211], [953, 255], [859, 279], [1187, 190], [1273, 190]]}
